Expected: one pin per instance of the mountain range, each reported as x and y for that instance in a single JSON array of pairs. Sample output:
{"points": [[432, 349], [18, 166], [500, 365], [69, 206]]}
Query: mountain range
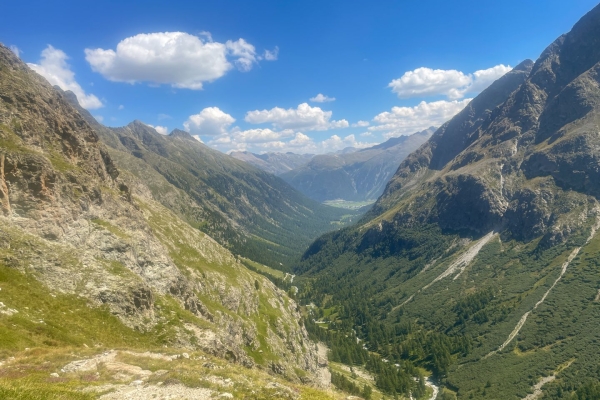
{"points": [[479, 260], [274, 163], [249, 211], [351, 175]]}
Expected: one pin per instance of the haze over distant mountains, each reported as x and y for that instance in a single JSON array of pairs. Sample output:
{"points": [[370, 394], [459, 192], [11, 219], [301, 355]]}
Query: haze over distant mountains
{"points": [[275, 163], [352, 175]]}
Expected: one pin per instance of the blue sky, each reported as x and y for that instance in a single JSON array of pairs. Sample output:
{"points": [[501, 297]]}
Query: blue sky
{"points": [[241, 74]]}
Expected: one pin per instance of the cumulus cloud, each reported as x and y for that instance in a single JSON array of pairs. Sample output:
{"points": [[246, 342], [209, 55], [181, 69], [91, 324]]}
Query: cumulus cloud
{"points": [[53, 66], [256, 136], [121, 107], [211, 121], [321, 98], [15, 50], [302, 117], [300, 140], [453, 84], [245, 53], [160, 129], [407, 120], [361, 124], [259, 140], [174, 58], [485, 77], [271, 55]]}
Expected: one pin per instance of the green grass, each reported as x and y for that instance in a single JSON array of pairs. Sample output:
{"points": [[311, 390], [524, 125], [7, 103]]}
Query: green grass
{"points": [[263, 269], [60, 163], [67, 320], [350, 205], [10, 141]]}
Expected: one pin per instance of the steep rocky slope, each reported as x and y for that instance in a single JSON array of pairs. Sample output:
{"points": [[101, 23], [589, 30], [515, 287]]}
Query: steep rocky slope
{"points": [[274, 163], [354, 176], [89, 258], [249, 211], [488, 232]]}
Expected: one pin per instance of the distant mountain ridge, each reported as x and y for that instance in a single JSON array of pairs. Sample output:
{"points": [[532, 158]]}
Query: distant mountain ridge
{"points": [[274, 163], [354, 175]]}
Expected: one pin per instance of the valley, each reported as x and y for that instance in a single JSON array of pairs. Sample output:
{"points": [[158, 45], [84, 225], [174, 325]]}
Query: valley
{"points": [[449, 263]]}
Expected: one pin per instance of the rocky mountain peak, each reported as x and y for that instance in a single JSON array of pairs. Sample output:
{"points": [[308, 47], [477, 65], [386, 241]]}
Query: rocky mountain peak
{"points": [[178, 133], [537, 121]]}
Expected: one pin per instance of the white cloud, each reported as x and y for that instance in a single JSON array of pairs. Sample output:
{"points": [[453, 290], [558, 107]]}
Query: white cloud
{"points": [[361, 124], [163, 116], [99, 118], [407, 120], [174, 58], [300, 140], [53, 66], [245, 53], [15, 50], [451, 83], [366, 134], [211, 121], [271, 55], [260, 140], [207, 35], [302, 117], [256, 135], [321, 98], [335, 143], [121, 107], [485, 77], [160, 129]]}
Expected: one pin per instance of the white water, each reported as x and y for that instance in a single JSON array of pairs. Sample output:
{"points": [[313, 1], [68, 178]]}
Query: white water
{"points": [[436, 389]]}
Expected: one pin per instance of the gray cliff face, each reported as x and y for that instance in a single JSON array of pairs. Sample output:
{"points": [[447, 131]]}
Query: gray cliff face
{"points": [[81, 226], [522, 147]]}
